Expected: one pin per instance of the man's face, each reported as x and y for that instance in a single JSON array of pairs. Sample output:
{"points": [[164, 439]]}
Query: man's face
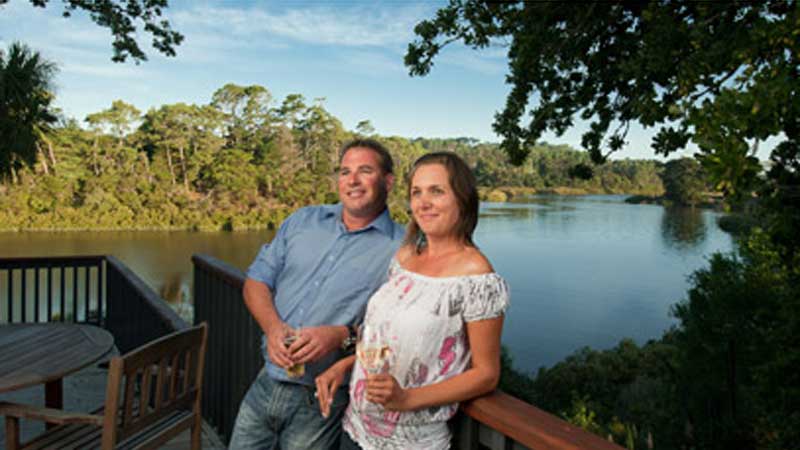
{"points": [[362, 184]]}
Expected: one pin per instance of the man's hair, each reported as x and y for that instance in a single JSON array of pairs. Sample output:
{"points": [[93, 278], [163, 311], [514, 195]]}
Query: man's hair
{"points": [[385, 159], [464, 186]]}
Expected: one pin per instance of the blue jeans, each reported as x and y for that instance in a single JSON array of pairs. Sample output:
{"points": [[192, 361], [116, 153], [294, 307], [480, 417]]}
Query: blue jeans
{"points": [[276, 414]]}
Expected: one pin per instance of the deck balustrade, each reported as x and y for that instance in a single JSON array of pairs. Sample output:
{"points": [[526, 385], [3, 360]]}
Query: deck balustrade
{"points": [[497, 421], [98, 290], [101, 290]]}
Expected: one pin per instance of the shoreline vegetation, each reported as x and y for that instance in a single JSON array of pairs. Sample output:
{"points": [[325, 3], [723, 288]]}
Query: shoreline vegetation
{"points": [[709, 200], [245, 161]]}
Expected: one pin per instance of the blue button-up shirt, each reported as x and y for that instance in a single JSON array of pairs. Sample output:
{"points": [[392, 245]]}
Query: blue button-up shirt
{"points": [[322, 274]]}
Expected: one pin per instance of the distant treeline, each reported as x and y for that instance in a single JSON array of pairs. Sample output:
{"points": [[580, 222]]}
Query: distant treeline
{"points": [[241, 161]]}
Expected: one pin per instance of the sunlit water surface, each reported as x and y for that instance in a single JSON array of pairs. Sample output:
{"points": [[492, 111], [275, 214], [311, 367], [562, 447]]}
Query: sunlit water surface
{"points": [[583, 271]]}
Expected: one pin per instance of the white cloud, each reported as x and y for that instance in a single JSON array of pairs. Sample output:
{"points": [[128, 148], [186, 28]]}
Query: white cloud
{"points": [[367, 25], [474, 60]]}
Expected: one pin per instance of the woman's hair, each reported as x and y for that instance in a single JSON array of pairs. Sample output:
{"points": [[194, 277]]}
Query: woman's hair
{"points": [[463, 184]]}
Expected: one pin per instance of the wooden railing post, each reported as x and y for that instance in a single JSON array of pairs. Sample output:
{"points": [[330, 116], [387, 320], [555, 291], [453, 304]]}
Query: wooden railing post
{"points": [[135, 313], [234, 340]]}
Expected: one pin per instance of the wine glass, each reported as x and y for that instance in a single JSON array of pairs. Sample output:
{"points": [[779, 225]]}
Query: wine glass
{"points": [[290, 335], [372, 349]]}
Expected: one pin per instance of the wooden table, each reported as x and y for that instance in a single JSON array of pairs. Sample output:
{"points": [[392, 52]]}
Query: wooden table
{"points": [[32, 354]]}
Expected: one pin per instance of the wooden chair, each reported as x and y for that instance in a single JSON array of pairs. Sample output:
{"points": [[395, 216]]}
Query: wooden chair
{"points": [[152, 395]]}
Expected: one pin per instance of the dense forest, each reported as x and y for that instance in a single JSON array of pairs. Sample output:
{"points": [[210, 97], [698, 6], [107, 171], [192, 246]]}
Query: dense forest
{"points": [[242, 161]]}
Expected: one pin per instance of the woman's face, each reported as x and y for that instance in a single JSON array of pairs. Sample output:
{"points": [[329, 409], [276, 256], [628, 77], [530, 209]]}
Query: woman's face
{"points": [[433, 202]]}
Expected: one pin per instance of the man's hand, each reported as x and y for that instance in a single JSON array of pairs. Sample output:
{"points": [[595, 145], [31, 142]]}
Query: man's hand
{"points": [[315, 342], [278, 353], [384, 389], [328, 383]]}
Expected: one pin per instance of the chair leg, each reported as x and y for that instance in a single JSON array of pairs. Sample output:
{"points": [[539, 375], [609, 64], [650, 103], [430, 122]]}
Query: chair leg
{"points": [[197, 428], [12, 433]]}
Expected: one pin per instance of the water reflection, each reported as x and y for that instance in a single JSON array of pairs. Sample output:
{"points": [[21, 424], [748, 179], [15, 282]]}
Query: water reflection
{"points": [[584, 270], [683, 228], [510, 212]]}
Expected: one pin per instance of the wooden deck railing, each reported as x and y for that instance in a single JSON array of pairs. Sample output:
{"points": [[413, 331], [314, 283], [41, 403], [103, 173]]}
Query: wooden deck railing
{"points": [[98, 290], [234, 340], [60, 289], [136, 314], [496, 421]]}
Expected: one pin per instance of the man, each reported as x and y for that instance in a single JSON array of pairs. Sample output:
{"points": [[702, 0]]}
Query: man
{"points": [[316, 277]]}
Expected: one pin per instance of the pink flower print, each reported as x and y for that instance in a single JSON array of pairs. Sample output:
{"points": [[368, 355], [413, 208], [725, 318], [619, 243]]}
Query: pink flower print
{"points": [[446, 355], [358, 391], [383, 427], [409, 283], [399, 279]]}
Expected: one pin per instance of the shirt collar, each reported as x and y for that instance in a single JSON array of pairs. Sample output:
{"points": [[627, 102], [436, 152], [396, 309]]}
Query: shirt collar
{"points": [[382, 223]]}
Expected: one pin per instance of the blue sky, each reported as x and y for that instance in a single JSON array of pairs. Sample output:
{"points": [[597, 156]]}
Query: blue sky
{"points": [[348, 52]]}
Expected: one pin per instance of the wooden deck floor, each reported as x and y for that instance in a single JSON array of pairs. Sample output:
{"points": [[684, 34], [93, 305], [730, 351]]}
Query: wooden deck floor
{"points": [[85, 391]]}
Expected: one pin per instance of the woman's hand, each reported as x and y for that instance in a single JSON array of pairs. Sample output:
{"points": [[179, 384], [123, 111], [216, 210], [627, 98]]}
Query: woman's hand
{"points": [[384, 389], [328, 383]]}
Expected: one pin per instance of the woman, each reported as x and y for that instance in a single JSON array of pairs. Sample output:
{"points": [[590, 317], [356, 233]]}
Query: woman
{"points": [[440, 314]]}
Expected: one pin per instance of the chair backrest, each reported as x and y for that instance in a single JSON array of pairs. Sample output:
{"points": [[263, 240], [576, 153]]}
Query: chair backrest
{"points": [[154, 382]]}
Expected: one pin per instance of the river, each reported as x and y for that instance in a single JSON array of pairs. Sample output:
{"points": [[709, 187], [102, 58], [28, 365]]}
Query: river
{"points": [[583, 270]]}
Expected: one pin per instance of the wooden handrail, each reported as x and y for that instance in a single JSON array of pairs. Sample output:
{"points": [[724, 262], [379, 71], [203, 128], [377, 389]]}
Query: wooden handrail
{"points": [[168, 317], [45, 261], [226, 272], [530, 426]]}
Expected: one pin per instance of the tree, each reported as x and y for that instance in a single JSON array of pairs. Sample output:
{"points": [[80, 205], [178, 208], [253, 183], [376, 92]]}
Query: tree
{"points": [[119, 119], [182, 136], [25, 109], [121, 17], [365, 128], [684, 181], [721, 74], [247, 113]]}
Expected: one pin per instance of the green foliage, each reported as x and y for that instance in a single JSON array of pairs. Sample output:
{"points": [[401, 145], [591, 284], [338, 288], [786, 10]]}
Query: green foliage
{"points": [[243, 162], [123, 18], [739, 335], [628, 393], [26, 113], [548, 166], [721, 74], [684, 181], [118, 120], [724, 378]]}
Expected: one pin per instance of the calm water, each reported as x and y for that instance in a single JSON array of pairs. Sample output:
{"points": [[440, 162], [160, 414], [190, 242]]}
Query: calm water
{"points": [[583, 270]]}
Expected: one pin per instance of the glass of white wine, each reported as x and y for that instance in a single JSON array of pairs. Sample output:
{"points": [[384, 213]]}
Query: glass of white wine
{"points": [[372, 349], [290, 335]]}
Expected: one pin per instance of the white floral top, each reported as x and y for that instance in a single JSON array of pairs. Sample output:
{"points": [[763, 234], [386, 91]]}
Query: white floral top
{"points": [[424, 321]]}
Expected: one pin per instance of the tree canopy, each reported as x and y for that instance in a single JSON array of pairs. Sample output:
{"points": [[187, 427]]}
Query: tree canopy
{"points": [[122, 17], [721, 74], [25, 106]]}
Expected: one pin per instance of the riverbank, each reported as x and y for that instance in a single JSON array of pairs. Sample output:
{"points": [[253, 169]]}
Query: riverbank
{"points": [[506, 193], [201, 219], [711, 200]]}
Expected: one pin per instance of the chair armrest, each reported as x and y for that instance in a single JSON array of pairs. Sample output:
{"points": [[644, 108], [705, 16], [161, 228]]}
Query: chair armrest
{"points": [[49, 415]]}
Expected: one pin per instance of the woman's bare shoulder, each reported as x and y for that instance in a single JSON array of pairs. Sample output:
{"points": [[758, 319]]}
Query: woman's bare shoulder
{"points": [[474, 262]]}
